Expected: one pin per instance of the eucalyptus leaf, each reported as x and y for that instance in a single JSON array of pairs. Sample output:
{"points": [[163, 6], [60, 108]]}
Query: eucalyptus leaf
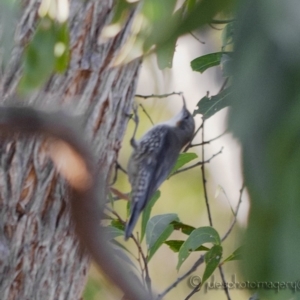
{"points": [[117, 224], [175, 245], [147, 212], [182, 160], [208, 106], [202, 63], [184, 228], [112, 232], [236, 255], [212, 261], [158, 230], [196, 239]]}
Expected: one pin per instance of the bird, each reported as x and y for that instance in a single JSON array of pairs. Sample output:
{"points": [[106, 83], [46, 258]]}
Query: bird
{"points": [[153, 158]]}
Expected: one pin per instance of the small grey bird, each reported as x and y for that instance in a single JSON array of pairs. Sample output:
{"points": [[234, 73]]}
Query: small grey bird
{"points": [[153, 158]]}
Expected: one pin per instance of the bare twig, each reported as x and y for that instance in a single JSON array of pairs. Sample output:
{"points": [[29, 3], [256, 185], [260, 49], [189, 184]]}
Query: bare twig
{"points": [[140, 252], [204, 182], [195, 290], [147, 276], [214, 27], [200, 163], [158, 96], [209, 141], [115, 214], [224, 283], [235, 214], [196, 38], [145, 112], [199, 262], [224, 84], [187, 147], [117, 167]]}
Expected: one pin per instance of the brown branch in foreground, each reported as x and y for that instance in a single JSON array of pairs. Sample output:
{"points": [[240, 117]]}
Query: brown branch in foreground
{"points": [[199, 262], [88, 194], [235, 214], [159, 96]]}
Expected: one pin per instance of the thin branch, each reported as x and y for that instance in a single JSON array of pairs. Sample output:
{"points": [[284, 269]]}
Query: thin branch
{"points": [[147, 276], [115, 214], [199, 262], [196, 38], [195, 290], [187, 147], [200, 163], [140, 251], [235, 214], [204, 182], [145, 112], [224, 283], [158, 96], [209, 141], [214, 27], [117, 167], [224, 85]]}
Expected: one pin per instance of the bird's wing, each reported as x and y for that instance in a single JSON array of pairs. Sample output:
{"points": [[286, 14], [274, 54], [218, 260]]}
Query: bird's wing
{"points": [[152, 168]]}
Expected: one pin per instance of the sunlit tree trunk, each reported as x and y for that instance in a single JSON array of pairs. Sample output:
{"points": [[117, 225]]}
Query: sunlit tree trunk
{"points": [[40, 257]]}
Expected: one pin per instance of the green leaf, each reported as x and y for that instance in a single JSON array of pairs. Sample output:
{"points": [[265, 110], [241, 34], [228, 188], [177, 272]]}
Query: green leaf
{"points": [[112, 232], [208, 106], [61, 47], [111, 199], [92, 289], [212, 260], [202, 63], [47, 51], [175, 246], [236, 255], [182, 160], [196, 239], [190, 5], [147, 212], [165, 54], [186, 229], [117, 224], [158, 230]]}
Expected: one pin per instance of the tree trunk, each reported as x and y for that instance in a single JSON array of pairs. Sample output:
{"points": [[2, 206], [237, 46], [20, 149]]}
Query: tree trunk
{"points": [[40, 257]]}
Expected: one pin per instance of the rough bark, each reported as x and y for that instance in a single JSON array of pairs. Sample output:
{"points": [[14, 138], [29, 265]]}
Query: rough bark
{"points": [[40, 257]]}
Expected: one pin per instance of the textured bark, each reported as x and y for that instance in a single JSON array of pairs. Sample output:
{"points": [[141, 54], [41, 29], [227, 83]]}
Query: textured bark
{"points": [[40, 257]]}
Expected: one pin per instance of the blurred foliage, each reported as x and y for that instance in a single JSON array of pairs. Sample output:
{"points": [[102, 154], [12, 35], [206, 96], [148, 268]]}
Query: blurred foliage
{"points": [[46, 52], [165, 21], [265, 117]]}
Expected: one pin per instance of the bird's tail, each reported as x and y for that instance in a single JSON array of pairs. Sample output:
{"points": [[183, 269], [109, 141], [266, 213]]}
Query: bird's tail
{"points": [[135, 213]]}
